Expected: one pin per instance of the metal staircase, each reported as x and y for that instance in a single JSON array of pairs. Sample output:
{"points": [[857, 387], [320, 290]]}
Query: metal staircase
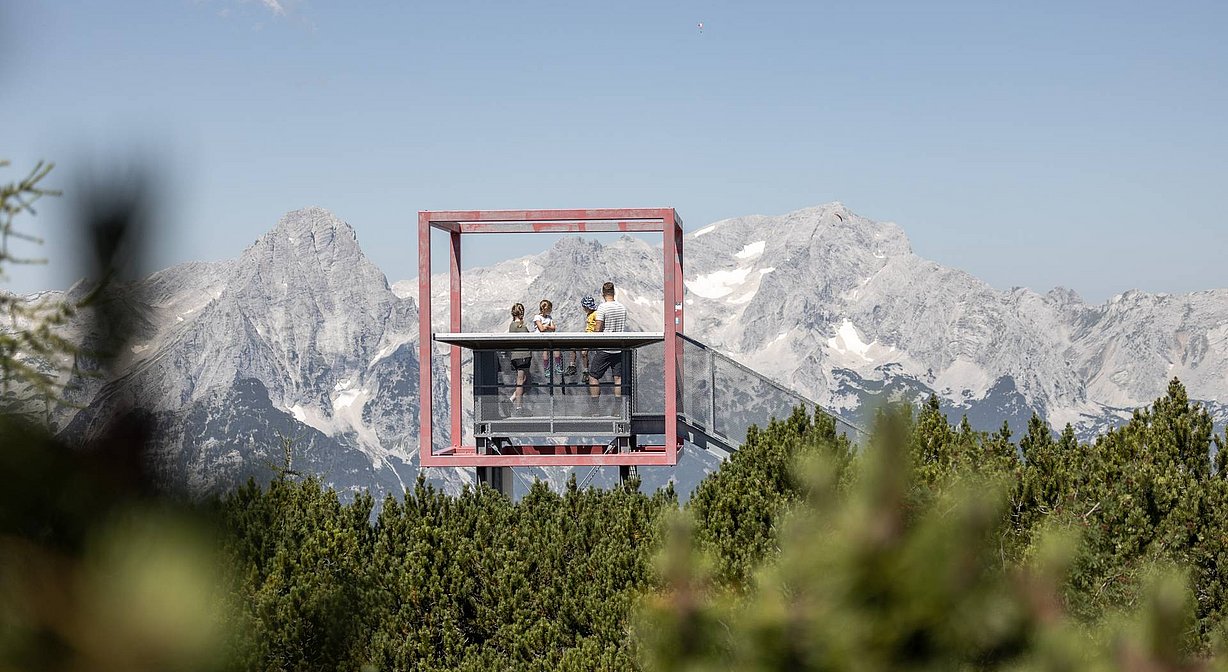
{"points": [[718, 399]]}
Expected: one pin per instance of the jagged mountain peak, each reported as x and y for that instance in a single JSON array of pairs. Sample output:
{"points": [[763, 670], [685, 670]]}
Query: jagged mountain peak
{"points": [[311, 249], [631, 242], [574, 248], [830, 221], [1064, 296], [303, 316], [585, 244], [310, 234], [312, 220], [834, 224]]}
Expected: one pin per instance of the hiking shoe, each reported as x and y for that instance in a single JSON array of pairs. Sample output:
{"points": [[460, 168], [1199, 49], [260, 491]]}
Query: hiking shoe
{"points": [[571, 370]]}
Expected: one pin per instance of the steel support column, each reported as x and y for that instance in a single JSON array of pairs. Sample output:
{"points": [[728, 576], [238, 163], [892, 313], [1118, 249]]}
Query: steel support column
{"points": [[626, 472], [426, 442], [454, 321], [673, 319], [499, 479]]}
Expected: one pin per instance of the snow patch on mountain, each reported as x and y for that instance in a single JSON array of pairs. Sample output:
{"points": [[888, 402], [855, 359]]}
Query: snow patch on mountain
{"points": [[964, 379], [390, 344], [745, 298], [405, 289], [848, 341], [751, 250], [718, 283]]}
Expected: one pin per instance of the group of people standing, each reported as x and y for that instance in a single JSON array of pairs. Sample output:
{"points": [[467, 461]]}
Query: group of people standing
{"points": [[608, 316]]}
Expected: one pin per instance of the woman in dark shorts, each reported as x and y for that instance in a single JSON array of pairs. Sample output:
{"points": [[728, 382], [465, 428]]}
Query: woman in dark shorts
{"points": [[520, 358]]}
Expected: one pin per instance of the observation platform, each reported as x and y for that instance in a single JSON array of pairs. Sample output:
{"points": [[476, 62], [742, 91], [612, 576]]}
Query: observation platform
{"points": [[674, 390], [519, 415], [556, 419]]}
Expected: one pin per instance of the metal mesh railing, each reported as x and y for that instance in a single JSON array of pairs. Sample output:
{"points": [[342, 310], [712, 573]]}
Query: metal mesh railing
{"points": [[716, 395], [648, 384], [546, 404]]}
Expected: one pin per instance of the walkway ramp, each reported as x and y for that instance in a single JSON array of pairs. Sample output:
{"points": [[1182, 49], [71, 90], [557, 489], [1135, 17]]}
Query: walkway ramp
{"points": [[720, 398]]}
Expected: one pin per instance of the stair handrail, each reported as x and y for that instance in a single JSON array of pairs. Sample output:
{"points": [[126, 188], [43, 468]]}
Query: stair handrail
{"points": [[840, 420]]}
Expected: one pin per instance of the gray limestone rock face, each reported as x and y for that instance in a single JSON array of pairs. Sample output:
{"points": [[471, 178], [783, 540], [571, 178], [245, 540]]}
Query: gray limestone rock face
{"points": [[303, 336], [305, 319]]}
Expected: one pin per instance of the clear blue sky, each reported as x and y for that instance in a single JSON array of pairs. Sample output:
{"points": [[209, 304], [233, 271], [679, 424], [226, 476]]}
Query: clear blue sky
{"points": [[1081, 144]]}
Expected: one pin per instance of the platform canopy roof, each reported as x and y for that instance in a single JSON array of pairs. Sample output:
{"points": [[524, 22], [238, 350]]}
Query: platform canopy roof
{"points": [[623, 340], [624, 220]]}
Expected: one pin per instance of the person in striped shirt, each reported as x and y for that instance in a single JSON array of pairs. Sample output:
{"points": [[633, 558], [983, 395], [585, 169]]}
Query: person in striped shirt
{"points": [[611, 316]]}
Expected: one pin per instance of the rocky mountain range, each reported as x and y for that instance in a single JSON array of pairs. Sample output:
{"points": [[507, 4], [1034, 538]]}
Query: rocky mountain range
{"points": [[302, 341]]}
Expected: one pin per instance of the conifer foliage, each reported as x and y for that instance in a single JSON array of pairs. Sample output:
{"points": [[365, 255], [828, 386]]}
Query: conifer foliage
{"points": [[932, 546], [941, 548], [436, 582]]}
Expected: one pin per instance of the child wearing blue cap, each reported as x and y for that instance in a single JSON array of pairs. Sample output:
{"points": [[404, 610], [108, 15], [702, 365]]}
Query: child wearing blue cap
{"points": [[589, 304]]}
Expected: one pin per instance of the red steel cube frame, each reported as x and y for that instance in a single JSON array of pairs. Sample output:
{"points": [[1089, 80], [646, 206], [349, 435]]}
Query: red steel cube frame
{"points": [[457, 223]]}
